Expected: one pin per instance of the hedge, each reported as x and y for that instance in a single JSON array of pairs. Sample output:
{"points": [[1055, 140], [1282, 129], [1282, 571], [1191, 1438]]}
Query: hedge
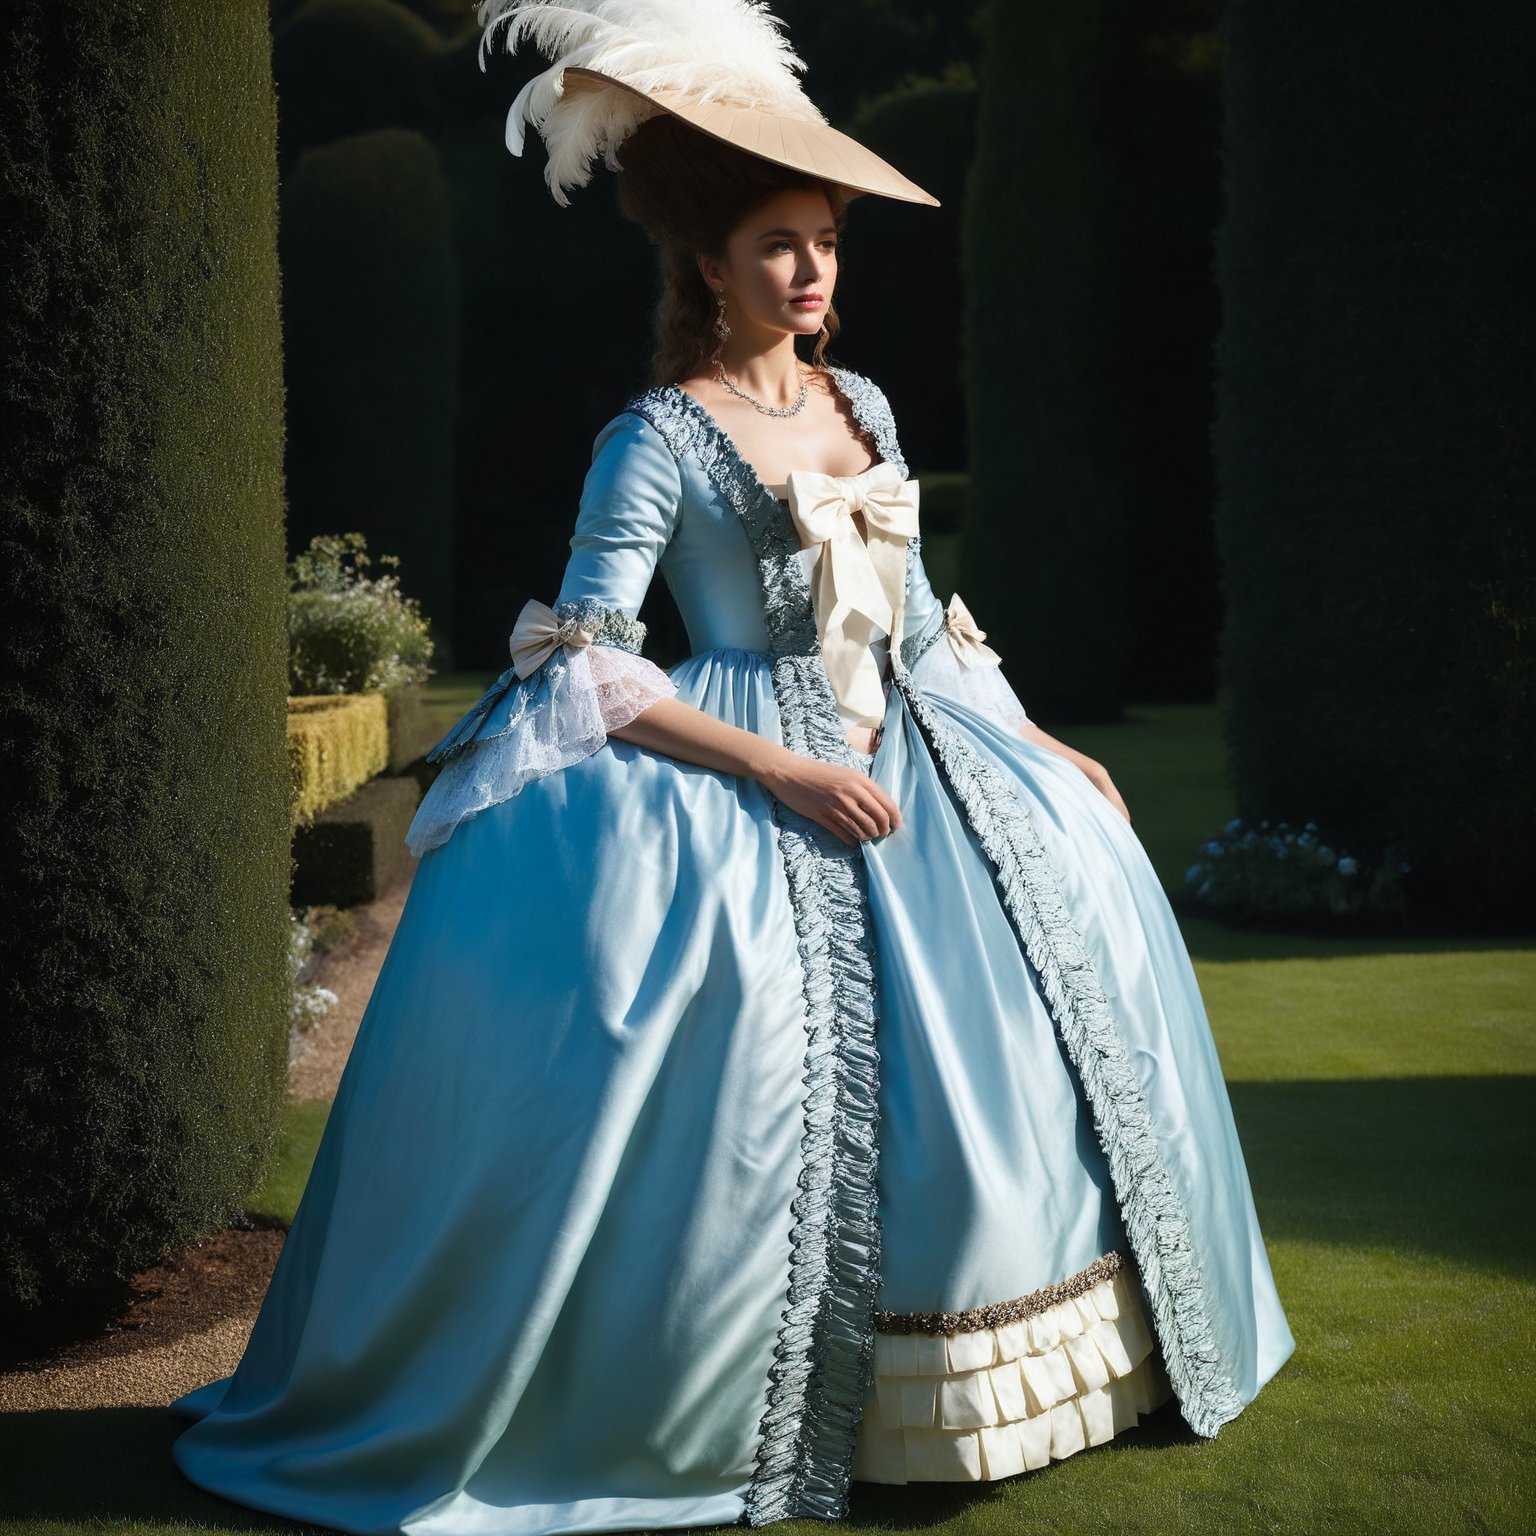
{"points": [[144, 778], [336, 743]]}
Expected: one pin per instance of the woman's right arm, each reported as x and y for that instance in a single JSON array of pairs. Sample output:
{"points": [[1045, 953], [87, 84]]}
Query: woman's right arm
{"points": [[534, 723], [848, 803]]}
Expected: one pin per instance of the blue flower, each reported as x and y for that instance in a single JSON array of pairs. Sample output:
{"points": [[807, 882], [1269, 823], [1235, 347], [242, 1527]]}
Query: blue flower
{"points": [[1205, 890], [1325, 853], [1193, 873], [1347, 866], [1311, 826], [1213, 848], [1234, 825]]}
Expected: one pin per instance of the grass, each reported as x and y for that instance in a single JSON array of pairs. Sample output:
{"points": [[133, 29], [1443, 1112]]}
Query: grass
{"points": [[449, 694], [278, 1198], [1385, 1093]]}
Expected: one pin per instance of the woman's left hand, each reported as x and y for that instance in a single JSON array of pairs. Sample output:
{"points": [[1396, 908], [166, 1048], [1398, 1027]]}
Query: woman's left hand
{"points": [[1099, 777]]}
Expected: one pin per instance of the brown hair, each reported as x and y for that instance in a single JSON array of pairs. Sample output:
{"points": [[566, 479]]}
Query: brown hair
{"points": [[688, 191]]}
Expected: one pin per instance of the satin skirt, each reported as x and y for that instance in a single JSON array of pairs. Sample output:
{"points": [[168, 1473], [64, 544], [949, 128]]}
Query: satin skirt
{"points": [[536, 1277]]}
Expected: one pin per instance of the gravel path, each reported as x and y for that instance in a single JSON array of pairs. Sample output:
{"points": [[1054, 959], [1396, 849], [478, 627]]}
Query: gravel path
{"points": [[188, 1317]]}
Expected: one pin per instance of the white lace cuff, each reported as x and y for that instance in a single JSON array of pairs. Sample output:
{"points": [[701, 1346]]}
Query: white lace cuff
{"points": [[981, 687], [527, 728]]}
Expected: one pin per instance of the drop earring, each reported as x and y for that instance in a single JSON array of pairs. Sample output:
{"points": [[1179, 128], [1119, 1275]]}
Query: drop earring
{"points": [[722, 330]]}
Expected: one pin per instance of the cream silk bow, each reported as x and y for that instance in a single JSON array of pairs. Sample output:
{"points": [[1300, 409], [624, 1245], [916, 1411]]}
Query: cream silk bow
{"points": [[539, 633], [858, 585], [965, 637]]}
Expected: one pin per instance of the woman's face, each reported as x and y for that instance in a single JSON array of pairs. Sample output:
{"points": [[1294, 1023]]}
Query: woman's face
{"points": [[780, 264]]}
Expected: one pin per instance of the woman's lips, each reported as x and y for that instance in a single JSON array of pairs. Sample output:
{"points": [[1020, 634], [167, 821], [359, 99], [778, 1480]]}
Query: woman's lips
{"points": [[808, 303]]}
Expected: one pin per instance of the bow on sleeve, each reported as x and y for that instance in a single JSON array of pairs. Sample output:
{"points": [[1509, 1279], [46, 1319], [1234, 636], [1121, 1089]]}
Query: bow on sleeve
{"points": [[965, 637], [539, 632], [858, 584]]}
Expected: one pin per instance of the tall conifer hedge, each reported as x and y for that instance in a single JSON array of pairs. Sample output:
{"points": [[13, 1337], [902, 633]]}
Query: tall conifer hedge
{"points": [[1043, 566], [143, 1032], [371, 304], [1377, 511]]}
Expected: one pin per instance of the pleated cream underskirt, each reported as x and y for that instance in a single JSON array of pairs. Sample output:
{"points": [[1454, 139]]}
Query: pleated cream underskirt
{"points": [[975, 1406]]}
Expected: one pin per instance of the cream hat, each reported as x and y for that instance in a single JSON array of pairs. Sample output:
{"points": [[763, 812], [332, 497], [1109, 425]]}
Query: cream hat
{"points": [[722, 66]]}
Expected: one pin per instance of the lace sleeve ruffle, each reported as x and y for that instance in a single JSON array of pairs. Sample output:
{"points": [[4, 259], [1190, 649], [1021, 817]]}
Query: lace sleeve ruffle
{"points": [[955, 665], [981, 687], [526, 728]]}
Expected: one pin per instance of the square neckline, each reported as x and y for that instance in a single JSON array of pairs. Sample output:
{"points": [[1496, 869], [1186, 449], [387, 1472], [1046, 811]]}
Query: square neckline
{"points": [[747, 467]]}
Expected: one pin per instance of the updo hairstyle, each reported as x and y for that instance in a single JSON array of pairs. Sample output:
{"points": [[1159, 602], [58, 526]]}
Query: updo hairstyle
{"points": [[688, 192]]}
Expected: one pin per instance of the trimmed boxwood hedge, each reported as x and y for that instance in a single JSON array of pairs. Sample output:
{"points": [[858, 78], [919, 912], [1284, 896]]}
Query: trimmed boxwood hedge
{"points": [[142, 758], [336, 743], [352, 850]]}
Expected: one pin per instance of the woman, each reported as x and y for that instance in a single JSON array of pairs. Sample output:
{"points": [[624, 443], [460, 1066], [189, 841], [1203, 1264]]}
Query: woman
{"points": [[787, 1068]]}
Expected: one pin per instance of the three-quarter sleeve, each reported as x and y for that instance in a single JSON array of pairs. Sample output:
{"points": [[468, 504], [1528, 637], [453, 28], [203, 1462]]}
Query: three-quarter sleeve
{"points": [[589, 678], [948, 658]]}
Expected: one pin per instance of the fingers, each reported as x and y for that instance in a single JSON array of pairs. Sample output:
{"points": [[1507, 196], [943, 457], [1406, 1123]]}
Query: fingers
{"points": [[864, 822], [848, 837], [852, 806], [870, 813]]}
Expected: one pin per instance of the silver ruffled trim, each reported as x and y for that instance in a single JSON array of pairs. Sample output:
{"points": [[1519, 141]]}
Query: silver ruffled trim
{"points": [[915, 646], [1156, 1222], [824, 1355]]}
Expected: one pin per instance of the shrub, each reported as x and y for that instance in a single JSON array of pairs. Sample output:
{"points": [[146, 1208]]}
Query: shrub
{"points": [[1258, 872], [349, 632], [309, 1003]]}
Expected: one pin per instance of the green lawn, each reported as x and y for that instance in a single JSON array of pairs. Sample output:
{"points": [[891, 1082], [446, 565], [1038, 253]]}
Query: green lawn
{"points": [[1384, 1092]]}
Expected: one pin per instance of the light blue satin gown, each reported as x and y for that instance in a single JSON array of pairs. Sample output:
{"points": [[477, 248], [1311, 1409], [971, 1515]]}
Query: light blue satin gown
{"points": [[689, 1162]]}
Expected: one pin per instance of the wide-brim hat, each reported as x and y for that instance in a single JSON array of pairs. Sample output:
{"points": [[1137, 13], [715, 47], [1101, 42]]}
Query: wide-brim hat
{"points": [[721, 66], [803, 144]]}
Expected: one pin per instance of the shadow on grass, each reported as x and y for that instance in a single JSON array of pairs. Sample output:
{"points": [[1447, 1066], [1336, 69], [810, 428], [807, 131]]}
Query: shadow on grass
{"points": [[1207, 939], [107, 1468], [893, 1507], [1439, 1166], [111, 1467]]}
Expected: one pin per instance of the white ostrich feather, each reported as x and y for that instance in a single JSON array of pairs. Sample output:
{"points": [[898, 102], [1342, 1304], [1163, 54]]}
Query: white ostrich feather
{"points": [[711, 50]]}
